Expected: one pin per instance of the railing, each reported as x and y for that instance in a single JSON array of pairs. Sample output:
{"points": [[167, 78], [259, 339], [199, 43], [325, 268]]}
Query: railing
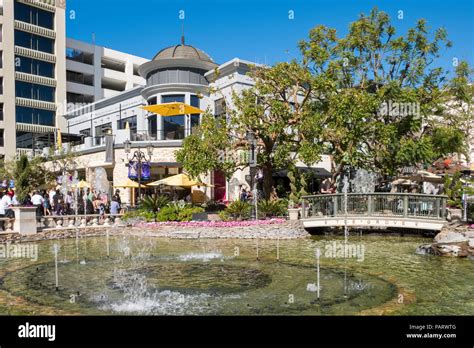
{"points": [[78, 221], [404, 205]]}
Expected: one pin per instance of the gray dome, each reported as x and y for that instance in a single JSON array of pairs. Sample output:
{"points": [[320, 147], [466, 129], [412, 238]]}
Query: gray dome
{"points": [[183, 51]]}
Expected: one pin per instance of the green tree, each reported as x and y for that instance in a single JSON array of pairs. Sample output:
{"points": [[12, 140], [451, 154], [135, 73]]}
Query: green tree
{"points": [[357, 75], [278, 110], [28, 175], [212, 147]]}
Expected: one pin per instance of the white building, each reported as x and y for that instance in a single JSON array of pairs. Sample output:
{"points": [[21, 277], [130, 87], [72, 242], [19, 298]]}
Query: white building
{"points": [[180, 73], [94, 72], [32, 73], [42, 73]]}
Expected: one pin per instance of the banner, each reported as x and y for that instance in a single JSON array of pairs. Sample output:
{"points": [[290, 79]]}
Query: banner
{"points": [[146, 171], [132, 170]]}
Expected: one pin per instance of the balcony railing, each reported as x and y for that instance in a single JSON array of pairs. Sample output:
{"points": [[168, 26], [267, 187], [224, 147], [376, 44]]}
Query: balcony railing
{"points": [[405, 205]]}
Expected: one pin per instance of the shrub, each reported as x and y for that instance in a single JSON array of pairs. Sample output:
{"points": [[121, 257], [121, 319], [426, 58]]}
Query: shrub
{"points": [[271, 208], [153, 203], [212, 206], [179, 211], [237, 210]]}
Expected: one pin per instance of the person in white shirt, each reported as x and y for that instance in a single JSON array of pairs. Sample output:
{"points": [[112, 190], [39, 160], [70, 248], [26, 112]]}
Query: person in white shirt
{"points": [[38, 201], [6, 205], [52, 193]]}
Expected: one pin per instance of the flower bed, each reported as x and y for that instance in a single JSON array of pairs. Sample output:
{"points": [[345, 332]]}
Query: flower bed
{"points": [[211, 223]]}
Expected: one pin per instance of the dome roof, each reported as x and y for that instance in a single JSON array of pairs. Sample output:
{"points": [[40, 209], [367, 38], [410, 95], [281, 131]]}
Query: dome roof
{"points": [[184, 52]]}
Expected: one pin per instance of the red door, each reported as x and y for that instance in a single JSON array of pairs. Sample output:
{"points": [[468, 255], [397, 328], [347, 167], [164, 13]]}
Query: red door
{"points": [[220, 187]]}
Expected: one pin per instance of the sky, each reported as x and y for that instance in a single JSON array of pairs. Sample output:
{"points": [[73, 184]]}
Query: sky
{"points": [[257, 30]]}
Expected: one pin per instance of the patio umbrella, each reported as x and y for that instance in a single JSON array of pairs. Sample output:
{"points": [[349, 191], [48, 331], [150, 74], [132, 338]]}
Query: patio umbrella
{"points": [[181, 180], [59, 139], [172, 109], [82, 184], [403, 182], [130, 184], [424, 176]]}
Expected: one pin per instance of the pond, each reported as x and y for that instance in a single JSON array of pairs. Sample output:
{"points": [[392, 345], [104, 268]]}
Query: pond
{"points": [[129, 275]]}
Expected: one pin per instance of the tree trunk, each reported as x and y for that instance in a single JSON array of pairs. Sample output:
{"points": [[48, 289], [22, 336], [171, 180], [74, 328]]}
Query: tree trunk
{"points": [[267, 169]]}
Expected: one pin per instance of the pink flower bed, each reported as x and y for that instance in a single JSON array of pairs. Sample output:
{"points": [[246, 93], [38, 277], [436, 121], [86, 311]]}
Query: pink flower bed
{"points": [[211, 223]]}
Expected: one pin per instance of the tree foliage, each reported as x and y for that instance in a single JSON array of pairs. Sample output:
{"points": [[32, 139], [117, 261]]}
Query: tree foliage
{"points": [[28, 175], [373, 99]]}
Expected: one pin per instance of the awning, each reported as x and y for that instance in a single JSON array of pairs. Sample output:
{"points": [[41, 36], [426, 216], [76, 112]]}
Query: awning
{"points": [[172, 109], [181, 180]]}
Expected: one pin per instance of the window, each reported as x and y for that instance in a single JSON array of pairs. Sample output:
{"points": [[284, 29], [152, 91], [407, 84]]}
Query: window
{"points": [[1, 85], [35, 116], [81, 78], [194, 117], [33, 66], [103, 129], [85, 132], [173, 126], [132, 123], [34, 15], [220, 108], [34, 42], [34, 91], [1, 111], [79, 56], [152, 101], [79, 98], [2, 141]]}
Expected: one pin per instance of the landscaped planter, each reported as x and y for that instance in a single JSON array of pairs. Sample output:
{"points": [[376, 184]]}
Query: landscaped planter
{"points": [[294, 213]]}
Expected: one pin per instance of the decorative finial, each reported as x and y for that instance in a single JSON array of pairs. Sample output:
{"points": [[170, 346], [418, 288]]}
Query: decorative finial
{"points": [[182, 33]]}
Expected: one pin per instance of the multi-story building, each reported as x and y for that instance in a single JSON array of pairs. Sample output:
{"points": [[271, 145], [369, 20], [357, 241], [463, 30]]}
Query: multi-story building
{"points": [[180, 73], [94, 72], [33, 42], [43, 74]]}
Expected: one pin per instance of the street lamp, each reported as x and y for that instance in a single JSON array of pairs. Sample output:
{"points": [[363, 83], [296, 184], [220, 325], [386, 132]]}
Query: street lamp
{"points": [[139, 157]]}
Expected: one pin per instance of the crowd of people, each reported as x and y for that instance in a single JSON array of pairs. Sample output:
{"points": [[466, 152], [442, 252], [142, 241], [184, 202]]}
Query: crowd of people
{"points": [[54, 202]]}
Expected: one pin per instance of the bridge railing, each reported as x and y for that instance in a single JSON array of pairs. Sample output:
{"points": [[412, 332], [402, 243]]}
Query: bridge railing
{"points": [[405, 205]]}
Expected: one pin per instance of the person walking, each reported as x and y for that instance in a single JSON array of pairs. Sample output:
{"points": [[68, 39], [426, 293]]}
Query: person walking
{"points": [[38, 202]]}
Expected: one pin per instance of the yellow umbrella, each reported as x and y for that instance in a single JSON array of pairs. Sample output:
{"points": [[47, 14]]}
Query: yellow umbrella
{"points": [[82, 184], [59, 139], [130, 184], [182, 180], [173, 109]]}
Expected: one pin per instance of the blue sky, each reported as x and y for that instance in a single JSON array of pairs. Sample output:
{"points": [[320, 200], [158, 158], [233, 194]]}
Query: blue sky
{"points": [[257, 30]]}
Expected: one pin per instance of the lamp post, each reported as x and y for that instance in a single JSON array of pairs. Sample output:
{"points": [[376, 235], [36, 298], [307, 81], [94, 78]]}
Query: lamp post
{"points": [[252, 166], [140, 157]]}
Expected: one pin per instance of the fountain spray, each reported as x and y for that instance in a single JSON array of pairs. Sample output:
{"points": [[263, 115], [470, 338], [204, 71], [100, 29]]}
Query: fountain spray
{"points": [[56, 250], [258, 259], [346, 232], [318, 255], [107, 242], [278, 249]]}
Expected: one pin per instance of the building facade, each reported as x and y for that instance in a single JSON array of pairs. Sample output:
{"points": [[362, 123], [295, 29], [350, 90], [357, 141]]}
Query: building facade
{"points": [[94, 72], [33, 83], [43, 74], [180, 73]]}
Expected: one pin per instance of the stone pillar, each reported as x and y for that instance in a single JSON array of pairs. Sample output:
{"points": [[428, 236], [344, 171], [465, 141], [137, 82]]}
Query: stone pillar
{"points": [[25, 220], [120, 174]]}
